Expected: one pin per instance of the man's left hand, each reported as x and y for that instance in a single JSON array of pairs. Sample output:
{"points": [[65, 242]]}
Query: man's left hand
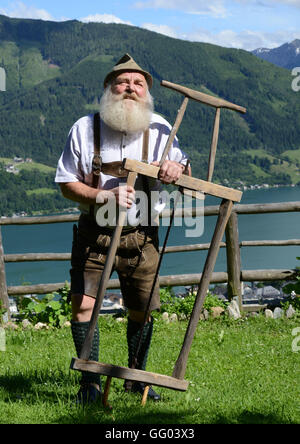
{"points": [[170, 171]]}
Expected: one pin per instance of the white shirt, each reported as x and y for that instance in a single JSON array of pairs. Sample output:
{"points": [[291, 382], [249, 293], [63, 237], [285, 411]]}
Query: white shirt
{"points": [[75, 163]]}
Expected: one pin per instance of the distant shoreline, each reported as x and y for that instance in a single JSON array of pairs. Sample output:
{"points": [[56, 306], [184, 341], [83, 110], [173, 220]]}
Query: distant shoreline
{"points": [[74, 210]]}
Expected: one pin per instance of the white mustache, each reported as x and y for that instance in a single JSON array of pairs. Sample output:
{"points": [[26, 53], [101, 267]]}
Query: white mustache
{"points": [[131, 96]]}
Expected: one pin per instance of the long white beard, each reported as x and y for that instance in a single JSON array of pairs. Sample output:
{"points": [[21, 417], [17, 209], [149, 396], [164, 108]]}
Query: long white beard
{"points": [[126, 115]]}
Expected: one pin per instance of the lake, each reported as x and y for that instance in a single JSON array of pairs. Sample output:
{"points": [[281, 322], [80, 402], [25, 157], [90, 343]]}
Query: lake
{"points": [[57, 238]]}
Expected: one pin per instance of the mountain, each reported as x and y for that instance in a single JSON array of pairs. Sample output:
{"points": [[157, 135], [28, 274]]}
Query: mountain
{"points": [[54, 74], [286, 55]]}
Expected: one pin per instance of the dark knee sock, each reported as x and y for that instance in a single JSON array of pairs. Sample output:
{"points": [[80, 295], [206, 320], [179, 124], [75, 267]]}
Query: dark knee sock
{"points": [[133, 336], [79, 331]]}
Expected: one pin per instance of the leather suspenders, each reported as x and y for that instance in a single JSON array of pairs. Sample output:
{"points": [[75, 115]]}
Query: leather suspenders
{"points": [[111, 168], [97, 161]]}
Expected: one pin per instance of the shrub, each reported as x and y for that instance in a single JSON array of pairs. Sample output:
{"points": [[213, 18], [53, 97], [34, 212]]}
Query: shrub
{"points": [[52, 309], [293, 290], [172, 304], [2, 312]]}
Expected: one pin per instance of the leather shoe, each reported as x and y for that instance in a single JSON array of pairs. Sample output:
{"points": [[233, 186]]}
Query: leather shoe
{"points": [[88, 394]]}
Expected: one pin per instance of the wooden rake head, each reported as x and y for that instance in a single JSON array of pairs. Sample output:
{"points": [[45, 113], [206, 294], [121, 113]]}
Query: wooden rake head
{"points": [[207, 100]]}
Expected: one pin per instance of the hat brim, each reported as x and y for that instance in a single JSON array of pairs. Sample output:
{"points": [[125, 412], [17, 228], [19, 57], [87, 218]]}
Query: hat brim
{"points": [[115, 73]]}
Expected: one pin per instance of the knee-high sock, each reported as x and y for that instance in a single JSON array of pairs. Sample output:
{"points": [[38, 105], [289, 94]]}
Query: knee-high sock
{"points": [[133, 335], [79, 331]]}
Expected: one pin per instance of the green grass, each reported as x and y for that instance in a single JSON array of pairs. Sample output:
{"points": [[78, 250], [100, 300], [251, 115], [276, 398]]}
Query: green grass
{"points": [[28, 166], [285, 167], [41, 191], [293, 155], [25, 66], [259, 173], [239, 371]]}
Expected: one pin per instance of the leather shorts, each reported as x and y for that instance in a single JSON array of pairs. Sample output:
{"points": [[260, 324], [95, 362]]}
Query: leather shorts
{"points": [[135, 262]]}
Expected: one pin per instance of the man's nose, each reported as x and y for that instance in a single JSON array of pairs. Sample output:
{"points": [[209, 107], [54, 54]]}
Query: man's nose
{"points": [[130, 87]]}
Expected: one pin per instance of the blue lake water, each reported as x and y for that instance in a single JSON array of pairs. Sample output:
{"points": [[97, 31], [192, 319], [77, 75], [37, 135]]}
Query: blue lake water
{"points": [[55, 238]]}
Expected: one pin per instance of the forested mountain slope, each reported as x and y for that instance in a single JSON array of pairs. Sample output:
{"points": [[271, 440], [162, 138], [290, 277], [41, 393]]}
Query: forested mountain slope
{"points": [[55, 71]]}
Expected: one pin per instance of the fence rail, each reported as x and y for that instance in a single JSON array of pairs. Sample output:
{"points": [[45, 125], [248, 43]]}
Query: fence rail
{"points": [[234, 275]]}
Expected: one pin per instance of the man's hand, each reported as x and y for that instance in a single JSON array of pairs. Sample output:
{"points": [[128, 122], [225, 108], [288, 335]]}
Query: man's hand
{"points": [[170, 171], [82, 193], [123, 194]]}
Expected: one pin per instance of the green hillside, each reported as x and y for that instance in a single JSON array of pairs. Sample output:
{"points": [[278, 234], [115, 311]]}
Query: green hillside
{"points": [[55, 72]]}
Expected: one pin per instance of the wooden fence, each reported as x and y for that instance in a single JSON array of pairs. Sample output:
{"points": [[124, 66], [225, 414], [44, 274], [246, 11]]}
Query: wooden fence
{"points": [[233, 276]]}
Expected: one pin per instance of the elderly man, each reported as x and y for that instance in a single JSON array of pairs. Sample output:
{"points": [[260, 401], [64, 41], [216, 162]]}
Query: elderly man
{"points": [[89, 172]]}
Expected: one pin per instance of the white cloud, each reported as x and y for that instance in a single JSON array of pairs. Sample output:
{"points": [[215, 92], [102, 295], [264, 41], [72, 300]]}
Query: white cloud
{"points": [[214, 8], [20, 10], [247, 39], [104, 18], [295, 3], [161, 29]]}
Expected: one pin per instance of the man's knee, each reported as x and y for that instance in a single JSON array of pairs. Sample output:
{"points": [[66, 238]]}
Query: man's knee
{"points": [[82, 307], [138, 316]]}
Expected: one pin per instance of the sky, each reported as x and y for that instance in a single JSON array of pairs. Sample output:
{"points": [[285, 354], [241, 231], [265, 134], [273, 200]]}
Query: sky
{"points": [[245, 24]]}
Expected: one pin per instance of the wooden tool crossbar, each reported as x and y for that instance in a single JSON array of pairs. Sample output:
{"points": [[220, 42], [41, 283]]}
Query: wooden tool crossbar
{"points": [[115, 371], [186, 182], [203, 98]]}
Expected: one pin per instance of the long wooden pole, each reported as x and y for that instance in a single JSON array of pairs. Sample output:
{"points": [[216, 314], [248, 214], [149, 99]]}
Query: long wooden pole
{"points": [[224, 213], [33, 257], [278, 207], [233, 259], [176, 280], [213, 147], [3, 288], [106, 391], [174, 130]]}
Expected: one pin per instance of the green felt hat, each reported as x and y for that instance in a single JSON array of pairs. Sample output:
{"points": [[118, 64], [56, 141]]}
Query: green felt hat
{"points": [[127, 64]]}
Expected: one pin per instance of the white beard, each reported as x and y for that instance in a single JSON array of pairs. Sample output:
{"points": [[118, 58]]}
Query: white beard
{"points": [[124, 114]]}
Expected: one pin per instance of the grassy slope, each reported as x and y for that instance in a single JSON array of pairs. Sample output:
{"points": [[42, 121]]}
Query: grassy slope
{"points": [[239, 372], [28, 166], [25, 66], [288, 163]]}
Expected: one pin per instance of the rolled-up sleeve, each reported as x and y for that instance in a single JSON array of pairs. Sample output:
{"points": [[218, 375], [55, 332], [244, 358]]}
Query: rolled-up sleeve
{"points": [[69, 164]]}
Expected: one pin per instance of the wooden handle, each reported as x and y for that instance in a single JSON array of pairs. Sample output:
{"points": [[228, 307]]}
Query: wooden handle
{"points": [[145, 395], [213, 146], [174, 130], [106, 391], [224, 213], [203, 98]]}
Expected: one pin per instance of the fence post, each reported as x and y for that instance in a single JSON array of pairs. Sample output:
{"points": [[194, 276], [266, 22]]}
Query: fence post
{"points": [[233, 259], [2, 79], [3, 288]]}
